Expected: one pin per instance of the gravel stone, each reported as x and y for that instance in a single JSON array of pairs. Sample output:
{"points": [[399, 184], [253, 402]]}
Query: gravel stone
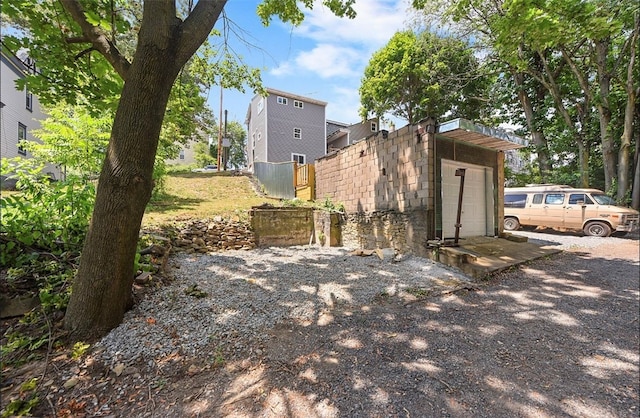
{"points": [[248, 292]]}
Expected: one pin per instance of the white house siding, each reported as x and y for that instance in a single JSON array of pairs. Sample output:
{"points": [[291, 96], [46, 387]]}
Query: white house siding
{"points": [[14, 111], [188, 154]]}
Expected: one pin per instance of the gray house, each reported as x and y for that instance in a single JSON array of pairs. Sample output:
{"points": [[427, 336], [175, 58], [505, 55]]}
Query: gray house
{"points": [[285, 127], [339, 134]]}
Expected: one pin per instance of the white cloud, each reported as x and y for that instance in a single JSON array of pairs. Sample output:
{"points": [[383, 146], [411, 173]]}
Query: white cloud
{"points": [[344, 105], [374, 25], [330, 61], [282, 69], [342, 47]]}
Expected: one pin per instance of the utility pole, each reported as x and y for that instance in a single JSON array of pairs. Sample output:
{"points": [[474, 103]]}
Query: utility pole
{"points": [[220, 130], [225, 140]]}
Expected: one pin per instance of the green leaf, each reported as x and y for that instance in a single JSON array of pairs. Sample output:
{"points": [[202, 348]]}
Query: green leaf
{"points": [[92, 18]]}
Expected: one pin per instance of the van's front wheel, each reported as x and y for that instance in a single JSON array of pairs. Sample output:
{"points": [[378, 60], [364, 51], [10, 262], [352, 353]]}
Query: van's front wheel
{"points": [[511, 224], [597, 229]]}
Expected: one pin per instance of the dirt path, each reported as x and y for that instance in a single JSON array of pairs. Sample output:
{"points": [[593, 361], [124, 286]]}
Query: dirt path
{"points": [[558, 337]]}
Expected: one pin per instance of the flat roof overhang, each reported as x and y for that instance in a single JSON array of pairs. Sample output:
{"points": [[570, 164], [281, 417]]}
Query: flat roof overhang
{"points": [[466, 131]]}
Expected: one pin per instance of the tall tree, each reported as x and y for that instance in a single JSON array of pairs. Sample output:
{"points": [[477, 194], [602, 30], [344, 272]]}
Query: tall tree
{"points": [[595, 41], [166, 41], [420, 75]]}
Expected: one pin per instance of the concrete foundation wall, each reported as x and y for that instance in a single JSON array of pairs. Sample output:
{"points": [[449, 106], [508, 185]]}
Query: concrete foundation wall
{"points": [[281, 227]]}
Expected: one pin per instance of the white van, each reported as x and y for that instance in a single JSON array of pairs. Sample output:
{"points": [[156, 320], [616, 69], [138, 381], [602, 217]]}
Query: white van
{"points": [[559, 206]]}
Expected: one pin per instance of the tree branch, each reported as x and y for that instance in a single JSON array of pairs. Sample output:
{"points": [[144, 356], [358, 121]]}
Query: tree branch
{"points": [[83, 53], [197, 27], [98, 39], [77, 40]]}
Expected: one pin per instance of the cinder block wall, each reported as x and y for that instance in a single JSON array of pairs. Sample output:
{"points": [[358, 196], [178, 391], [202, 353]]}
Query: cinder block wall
{"points": [[378, 174], [384, 185], [391, 188]]}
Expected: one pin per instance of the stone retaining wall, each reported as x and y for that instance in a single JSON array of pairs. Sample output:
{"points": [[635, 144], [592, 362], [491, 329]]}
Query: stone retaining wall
{"points": [[406, 232], [207, 235]]}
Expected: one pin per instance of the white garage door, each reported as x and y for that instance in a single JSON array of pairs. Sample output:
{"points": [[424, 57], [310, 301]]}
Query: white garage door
{"points": [[477, 200]]}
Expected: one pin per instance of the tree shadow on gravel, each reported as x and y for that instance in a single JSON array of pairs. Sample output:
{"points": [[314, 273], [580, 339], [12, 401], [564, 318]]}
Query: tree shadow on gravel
{"points": [[556, 337]]}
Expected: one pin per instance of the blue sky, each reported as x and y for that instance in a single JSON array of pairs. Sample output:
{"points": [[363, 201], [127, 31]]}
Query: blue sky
{"points": [[324, 58]]}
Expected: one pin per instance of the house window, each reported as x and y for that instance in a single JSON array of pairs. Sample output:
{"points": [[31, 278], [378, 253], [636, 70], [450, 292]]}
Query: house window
{"points": [[297, 133], [260, 105], [374, 127], [22, 136], [282, 100], [29, 101], [182, 154], [298, 158], [298, 104]]}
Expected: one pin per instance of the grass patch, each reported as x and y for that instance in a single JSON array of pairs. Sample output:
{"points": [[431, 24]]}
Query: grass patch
{"points": [[202, 195]]}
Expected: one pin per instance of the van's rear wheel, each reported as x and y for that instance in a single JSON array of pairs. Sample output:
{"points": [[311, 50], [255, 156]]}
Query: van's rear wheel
{"points": [[597, 229], [511, 224]]}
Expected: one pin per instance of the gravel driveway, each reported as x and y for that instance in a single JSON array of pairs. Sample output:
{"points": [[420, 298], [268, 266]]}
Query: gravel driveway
{"points": [[294, 332]]}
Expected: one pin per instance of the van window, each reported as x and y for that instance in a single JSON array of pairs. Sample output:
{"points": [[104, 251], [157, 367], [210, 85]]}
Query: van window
{"points": [[579, 199], [515, 200], [603, 199], [537, 198], [554, 199]]}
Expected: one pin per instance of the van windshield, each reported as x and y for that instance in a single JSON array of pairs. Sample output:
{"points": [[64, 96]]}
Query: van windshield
{"points": [[603, 199]]}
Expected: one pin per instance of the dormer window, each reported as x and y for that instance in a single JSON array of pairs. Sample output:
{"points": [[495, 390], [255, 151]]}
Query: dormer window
{"points": [[374, 127]]}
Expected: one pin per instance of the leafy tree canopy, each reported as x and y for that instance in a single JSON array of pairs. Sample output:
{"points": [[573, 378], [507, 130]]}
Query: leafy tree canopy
{"points": [[420, 75]]}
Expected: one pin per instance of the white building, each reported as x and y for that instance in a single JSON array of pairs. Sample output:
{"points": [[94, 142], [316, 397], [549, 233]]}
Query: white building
{"points": [[20, 112]]}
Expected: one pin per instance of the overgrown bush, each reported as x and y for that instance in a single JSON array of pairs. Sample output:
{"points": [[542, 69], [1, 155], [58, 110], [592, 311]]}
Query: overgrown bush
{"points": [[42, 231], [46, 216]]}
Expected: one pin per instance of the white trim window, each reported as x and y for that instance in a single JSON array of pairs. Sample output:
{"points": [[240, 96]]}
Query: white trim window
{"points": [[374, 127], [297, 133], [260, 105], [181, 155], [299, 158], [29, 101], [282, 100], [298, 104], [22, 136]]}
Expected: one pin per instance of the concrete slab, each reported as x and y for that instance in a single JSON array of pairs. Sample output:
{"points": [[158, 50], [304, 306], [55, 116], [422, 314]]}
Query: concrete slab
{"points": [[480, 257]]}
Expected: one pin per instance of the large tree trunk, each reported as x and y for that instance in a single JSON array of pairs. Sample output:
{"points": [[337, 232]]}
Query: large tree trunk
{"points": [[102, 287], [537, 136], [583, 161], [604, 112], [629, 113]]}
